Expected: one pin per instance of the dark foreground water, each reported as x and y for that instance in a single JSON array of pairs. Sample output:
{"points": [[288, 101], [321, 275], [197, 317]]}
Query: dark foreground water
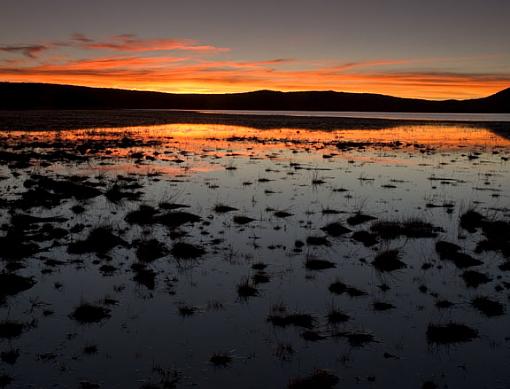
{"points": [[223, 256]]}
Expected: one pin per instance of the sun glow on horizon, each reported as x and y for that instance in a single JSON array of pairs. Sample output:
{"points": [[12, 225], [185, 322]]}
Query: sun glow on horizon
{"points": [[189, 66]]}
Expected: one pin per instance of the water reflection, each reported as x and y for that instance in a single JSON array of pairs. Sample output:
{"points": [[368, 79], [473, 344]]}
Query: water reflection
{"points": [[263, 246]]}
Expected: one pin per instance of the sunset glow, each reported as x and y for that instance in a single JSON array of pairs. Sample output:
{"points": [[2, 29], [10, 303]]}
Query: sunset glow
{"points": [[191, 66]]}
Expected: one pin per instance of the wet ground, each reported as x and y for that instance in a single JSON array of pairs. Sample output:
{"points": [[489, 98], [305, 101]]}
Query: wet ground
{"points": [[219, 256]]}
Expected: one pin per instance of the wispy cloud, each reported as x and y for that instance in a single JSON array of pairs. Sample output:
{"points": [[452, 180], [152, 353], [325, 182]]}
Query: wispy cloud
{"points": [[30, 51], [130, 42]]}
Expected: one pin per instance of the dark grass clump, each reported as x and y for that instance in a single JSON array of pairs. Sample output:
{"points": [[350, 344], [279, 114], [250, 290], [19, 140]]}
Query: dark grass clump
{"points": [[10, 356], [117, 193], [473, 278], [11, 329], [86, 313], [443, 304], [319, 264], [338, 287], [488, 307], [446, 249], [292, 319], [5, 380], [335, 229], [451, 252], [242, 220], [259, 266], [367, 238], [150, 250], [144, 215], [246, 289], [260, 277], [282, 214], [471, 220], [320, 379], [317, 241], [220, 359], [182, 250], [412, 228], [336, 316], [382, 306], [356, 339], [450, 333], [144, 275], [14, 246], [222, 208], [12, 284], [359, 218], [388, 261], [312, 336], [497, 233], [90, 349], [176, 219], [187, 310], [100, 241]]}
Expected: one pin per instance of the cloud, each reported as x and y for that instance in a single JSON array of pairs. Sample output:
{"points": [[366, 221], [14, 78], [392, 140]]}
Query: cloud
{"points": [[130, 42], [30, 51]]}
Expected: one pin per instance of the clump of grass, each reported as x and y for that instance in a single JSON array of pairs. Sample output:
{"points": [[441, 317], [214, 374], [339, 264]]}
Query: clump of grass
{"points": [[86, 313], [367, 238], [182, 250], [450, 333], [242, 220], [144, 275], [388, 261], [471, 220], [338, 287], [335, 229], [317, 241], [100, 241], [246, 289], [150, 250], [488, 307], [293, 319], [319, 264], [12, 284], [382, 306], [356, 339], [312, 336], [90, 349], [11, 329], [322, 379], [223, 208], [10, 356], [220, 359], [359, 218], [473, 278], [259, 266], [451, 252], [187, 310], [336, 316]]}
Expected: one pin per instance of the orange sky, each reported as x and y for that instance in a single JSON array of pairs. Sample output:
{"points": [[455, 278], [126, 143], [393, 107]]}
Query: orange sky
{"points": [[184, 65]]}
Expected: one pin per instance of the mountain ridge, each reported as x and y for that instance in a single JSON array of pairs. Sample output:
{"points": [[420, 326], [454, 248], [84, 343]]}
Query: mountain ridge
{"points": [[24, 96]]}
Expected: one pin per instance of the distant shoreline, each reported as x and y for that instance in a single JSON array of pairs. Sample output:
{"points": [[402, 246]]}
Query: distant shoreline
{"points": [[44, 120]]}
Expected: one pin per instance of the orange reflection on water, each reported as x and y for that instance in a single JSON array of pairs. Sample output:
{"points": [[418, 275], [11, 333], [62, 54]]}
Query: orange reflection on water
{"points": [[170, 142]]}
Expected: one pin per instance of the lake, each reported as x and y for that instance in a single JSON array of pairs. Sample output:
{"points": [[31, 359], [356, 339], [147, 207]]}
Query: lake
{"points": [[221, 255]]}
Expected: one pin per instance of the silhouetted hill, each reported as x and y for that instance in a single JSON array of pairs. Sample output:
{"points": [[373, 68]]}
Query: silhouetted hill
{"points": [[20, 96]]}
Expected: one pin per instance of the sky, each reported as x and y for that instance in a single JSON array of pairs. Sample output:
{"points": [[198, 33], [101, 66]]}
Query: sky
{"points": [[424, 49]]}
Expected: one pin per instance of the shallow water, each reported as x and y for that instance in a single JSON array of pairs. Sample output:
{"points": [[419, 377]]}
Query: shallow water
{"points": [[431, 173], [433, 116]]}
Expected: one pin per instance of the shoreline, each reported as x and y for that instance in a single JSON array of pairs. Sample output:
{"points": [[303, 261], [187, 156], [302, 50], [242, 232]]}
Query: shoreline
{"points": [[44, 120]]}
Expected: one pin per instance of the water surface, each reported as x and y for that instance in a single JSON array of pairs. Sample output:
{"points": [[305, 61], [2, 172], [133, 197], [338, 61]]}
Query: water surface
{"points": [[291, 183]]}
